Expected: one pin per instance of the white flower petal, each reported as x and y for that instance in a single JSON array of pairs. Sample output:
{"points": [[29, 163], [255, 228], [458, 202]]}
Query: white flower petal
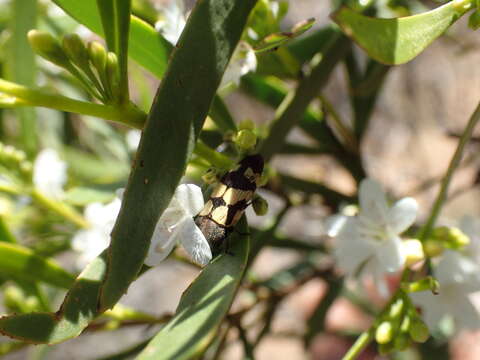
{"points": [[334, 223], [402, 214], [132, 137], [373, 203], [49, 173], [242, 62], [89, 243], [465, 314], [432, 307], [350, 250], [390, 255], [173, 21], [190, 198], [189, 235], [161, 245]]}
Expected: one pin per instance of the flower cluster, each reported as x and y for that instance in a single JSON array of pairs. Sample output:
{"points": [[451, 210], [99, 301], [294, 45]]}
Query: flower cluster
{"points": [[369, 244]]}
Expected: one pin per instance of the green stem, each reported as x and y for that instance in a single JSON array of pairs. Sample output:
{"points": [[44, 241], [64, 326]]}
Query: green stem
{"points": [[128, 115], [338, 124], [60, 208], [213, 157], [454, 163], [361, 343], [293, 107]]}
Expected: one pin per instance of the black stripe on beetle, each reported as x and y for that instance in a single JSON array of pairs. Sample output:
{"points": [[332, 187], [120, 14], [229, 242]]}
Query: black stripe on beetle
{"points": [[228, 201]]}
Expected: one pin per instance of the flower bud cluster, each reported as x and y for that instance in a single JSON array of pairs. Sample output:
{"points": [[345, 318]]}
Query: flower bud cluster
{"points": [[445, 237], [399, 326], [16, 162], [95, 68]]}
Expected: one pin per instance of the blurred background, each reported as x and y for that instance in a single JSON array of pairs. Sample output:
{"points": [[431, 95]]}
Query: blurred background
{"points": [[412, 135]]}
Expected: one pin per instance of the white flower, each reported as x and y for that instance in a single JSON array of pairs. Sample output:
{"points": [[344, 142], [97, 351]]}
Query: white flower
{"points": [[132, 137], [459, 279], [92, 241], [471, 227], [49, 173], [173, 20], [171, 26], [369, 243], [176, 225], [242, 62]]}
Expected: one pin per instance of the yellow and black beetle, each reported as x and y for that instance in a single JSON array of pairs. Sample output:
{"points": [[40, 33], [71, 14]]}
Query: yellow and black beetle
{"points": [[228, 201]]}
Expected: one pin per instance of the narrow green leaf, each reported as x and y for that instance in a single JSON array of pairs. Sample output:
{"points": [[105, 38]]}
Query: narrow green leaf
{"points": [[273, 41], [195, 71], [22, 64], [147, 47], [332, 197], [396, 41], [107, 17], [115, 16], [77, 310], [5, 234], [174, 123], [296, 102], [203, 305], [82, 196], [22, 262]]}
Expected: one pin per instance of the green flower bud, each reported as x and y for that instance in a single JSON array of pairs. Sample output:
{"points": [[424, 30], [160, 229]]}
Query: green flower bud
{"points": [[405, 325], [260, 205], [48, 47], [419, 331], [76, 50], [433, 248], [246, 124], [112, 69], [396, 309], [401, 342], [246, 139], [98, 56], [384, 333], [474, 20], [452, 237], [384, 349]]}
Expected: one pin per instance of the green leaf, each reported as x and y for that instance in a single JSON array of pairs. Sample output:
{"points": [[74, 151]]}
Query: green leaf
{"points": [[195, 71], [76, 312], [21, 262], [82, 196], [295, 104], [396, 41], [273, 41], [115, 16], [181, 105], [22, 66], [147, 47], [203, 305]]}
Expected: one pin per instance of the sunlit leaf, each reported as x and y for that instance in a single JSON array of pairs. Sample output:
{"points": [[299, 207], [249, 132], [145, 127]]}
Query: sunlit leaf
{"points": [[22, 262], [203, 306], [396, 41]]}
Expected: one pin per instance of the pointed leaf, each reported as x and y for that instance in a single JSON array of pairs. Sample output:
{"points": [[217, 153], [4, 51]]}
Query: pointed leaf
{"points": [[174, 123], [203, 306], [396, 41], [22, 262]]}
